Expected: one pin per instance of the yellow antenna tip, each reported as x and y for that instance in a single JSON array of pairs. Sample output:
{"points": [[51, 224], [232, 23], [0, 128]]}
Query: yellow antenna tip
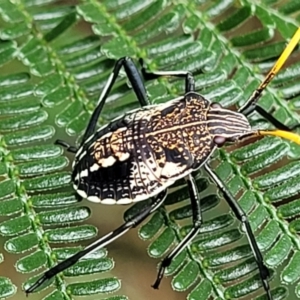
{"points": [[283, 134]]}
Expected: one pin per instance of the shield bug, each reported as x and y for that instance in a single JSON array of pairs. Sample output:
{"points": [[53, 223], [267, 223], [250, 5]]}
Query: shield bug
{"points": [[140, 154]]}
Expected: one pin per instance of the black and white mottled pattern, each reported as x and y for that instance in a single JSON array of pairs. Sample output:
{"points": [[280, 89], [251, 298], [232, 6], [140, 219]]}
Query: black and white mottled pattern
{"points": [[143, 152]]}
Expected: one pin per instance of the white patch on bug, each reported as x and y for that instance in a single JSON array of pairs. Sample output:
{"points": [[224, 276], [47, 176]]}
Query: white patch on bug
{"points": [[75, 187], [107, 162], [171, 169], [82, 193], [124, 156], [82, 155], [78, 152], [109, 201], [94, 167], [94, 199], [84, 173], [141, 197], [124, 201], [89, 138], [107, 135], [76, 177]]}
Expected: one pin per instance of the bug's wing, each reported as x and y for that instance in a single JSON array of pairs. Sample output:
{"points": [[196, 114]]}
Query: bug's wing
{"points": [[159, 155], [126, 160]]}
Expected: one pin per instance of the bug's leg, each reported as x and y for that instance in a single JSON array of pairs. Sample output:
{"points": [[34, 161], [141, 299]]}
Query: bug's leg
{"points": [[268, 116], [136, 82], [189, 78], [242, 217], [197, 221], [103, 241]]}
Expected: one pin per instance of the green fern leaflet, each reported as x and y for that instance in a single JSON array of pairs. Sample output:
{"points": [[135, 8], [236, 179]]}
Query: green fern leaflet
{"points": [[55, 59]]}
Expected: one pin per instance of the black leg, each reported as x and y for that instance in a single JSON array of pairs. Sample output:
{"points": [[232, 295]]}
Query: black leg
{"points": [[103, 241], [268, 116], [241, 216], [197, 221], [137, 84], [189, 78]]}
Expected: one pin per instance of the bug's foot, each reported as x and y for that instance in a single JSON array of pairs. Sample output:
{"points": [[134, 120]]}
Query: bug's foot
{"points": [[267, 289], [156, 284], [159, 277], [36, 285]]}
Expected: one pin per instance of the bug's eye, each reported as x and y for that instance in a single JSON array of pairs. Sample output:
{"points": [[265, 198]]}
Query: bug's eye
{"points": [[219, 141], [215, 105]]}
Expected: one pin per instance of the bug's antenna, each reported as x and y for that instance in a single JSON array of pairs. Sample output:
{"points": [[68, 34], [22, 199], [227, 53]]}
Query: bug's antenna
{"points": [[281, 133], [288, 135], [250, 104]]}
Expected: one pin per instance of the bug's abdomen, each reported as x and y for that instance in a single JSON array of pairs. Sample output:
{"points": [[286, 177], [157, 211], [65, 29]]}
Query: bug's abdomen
{"points": [[118, 165]]}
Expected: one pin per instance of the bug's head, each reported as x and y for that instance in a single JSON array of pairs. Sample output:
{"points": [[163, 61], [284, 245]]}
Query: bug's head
{"points": [[227, 126]]}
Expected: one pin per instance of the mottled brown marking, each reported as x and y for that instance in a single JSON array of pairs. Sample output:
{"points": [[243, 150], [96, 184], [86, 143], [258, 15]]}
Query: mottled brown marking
{"points": [[115, 145], [182, 129], [159, 144]]}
